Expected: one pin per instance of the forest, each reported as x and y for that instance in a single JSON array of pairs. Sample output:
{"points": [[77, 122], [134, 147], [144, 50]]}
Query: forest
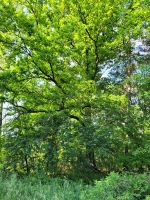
{"points": [[75, 93]]}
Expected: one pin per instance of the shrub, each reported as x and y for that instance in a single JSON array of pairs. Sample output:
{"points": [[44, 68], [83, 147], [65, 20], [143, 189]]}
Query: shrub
{"points": [[119, 187]]}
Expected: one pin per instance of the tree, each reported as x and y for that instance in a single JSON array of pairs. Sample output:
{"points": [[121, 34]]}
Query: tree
{"points": [[62, 107]]}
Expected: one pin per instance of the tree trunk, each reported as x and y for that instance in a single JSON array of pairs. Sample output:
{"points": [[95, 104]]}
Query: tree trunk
{"points": [[91, 159], [89, 134], [27, 165]]}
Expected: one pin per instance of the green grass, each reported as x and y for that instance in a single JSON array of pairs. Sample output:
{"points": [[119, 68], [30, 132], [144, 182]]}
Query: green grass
{"points": [[113, 187], [35, 189]]}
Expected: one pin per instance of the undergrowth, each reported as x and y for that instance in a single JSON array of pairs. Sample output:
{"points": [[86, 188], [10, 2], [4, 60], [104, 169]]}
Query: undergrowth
{"points": [[113, 187]]}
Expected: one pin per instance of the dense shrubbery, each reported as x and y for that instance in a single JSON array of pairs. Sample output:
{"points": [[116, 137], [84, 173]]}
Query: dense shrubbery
{"points": [[115, 186], [121, 187]]}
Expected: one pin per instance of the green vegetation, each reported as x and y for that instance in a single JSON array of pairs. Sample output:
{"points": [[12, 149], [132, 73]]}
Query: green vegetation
{"points": [[114, 187], [74, 96]]}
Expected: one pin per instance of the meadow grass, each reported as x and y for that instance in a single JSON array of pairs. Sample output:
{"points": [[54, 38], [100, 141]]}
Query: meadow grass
{"points": [[35, 189]]}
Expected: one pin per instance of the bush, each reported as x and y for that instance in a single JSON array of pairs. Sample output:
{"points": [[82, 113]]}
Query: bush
{"points": [[119, 187]]}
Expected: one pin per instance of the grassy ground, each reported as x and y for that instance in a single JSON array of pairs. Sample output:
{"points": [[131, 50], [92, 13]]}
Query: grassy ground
{"points": [[113, 187]]}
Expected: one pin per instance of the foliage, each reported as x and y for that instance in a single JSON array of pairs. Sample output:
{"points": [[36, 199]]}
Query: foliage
{"points": [[121, 187], [115, 186], [74, 87]]}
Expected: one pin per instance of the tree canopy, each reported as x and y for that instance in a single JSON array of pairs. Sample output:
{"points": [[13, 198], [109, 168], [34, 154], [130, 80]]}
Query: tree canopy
{"points": [[74, 85]]}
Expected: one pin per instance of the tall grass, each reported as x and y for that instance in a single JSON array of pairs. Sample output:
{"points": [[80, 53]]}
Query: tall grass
{"points": [[113, 187], [35, 189]]}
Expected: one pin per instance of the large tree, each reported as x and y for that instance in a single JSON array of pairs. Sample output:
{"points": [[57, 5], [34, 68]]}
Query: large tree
{"points": [[65, 110]]}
